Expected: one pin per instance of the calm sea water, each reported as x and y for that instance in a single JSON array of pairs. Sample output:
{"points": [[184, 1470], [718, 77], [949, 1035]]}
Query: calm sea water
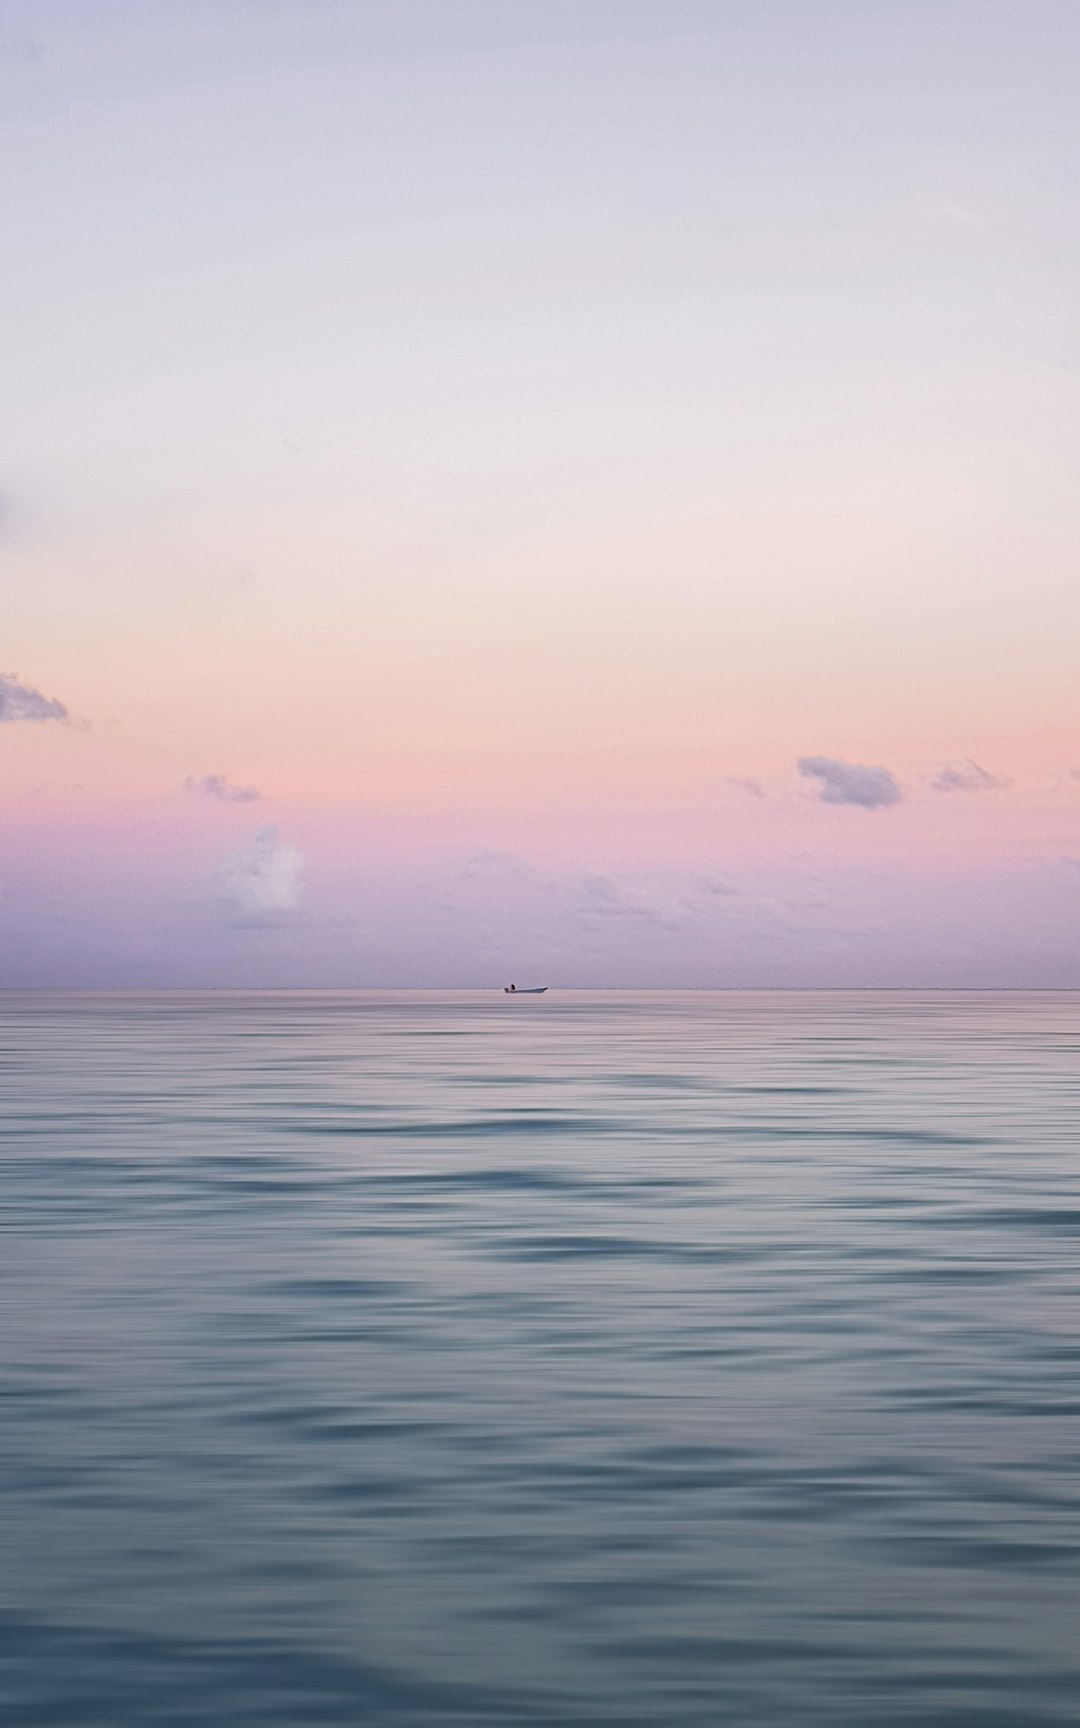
{"points": [[663, 1359]]}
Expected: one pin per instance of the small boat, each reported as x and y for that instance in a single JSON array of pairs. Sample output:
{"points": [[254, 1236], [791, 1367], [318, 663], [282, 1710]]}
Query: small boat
{"points": [[534, 990]]}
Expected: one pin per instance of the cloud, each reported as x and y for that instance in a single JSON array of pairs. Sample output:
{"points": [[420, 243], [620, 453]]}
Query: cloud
{"points": [[851, 782], [967, 777], [496, 864], [965, 214], [745, 783], [221, 787], [717, 885], [265, 882], [22, 702], [22, 50], [605, 897], [666, 907], [572, 907]]}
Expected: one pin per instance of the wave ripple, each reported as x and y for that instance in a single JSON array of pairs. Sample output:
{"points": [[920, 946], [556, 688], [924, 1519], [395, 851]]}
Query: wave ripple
{"points": [[655, 1361]]}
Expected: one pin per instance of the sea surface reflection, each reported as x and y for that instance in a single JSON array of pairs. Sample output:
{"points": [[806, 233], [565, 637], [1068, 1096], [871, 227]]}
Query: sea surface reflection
{"points": [[661, 1359]]}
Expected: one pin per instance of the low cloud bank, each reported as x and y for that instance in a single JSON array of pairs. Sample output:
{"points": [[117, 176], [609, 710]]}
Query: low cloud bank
{"points": [[564, 906]]}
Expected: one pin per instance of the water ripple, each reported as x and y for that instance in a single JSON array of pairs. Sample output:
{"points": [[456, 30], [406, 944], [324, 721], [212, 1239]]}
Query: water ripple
{"points": [[645, 1361]]}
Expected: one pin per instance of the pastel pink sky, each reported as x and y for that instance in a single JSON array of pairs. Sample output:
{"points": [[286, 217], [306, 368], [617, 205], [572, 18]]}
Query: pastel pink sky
{"points": [[510, 439]]}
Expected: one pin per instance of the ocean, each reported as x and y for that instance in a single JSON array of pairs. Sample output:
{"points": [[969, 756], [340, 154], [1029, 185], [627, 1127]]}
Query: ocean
{"points": [[660, 1360]]}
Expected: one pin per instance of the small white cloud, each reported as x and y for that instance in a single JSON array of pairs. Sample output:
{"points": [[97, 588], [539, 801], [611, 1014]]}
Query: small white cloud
{"points": [[20, 701], [967, 776], [266, 880], [868, 788], [964, 214], [219, 786]]}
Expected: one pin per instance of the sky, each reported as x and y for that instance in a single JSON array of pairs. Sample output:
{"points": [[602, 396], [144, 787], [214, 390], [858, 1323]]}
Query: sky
{"points": [[566, 491]]}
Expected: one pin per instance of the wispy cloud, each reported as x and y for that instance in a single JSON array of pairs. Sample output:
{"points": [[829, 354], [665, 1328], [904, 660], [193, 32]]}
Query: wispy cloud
{"points": [[964, 214], [607, 897], [265, 882], [967, 776], [746, 783], [868, 788], [499, 866], [20, 701], [21, 50], [716, 887], [593, 904], [219, 786]]}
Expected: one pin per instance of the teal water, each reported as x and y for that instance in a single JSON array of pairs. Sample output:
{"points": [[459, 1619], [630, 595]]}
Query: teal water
{"points": [[661, 1359]]}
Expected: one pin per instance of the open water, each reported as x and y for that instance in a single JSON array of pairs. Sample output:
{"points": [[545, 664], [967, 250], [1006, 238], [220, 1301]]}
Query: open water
{"points": [[659, 1361]]}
